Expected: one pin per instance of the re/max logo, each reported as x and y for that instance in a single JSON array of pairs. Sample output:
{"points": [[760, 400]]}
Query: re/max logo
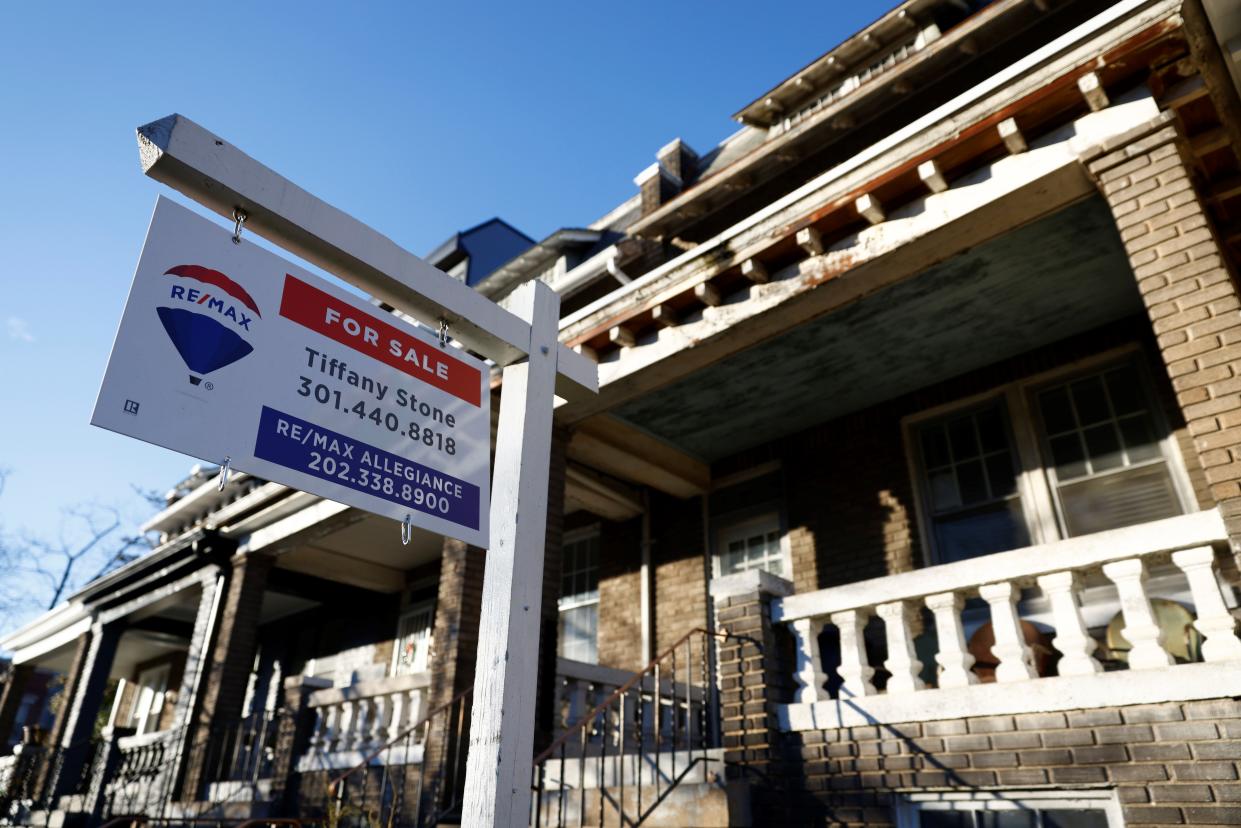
{"points": [[197, 297]]}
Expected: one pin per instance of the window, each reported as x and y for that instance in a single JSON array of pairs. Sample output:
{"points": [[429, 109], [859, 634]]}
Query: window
{"points": [[1010, 809], [152, 687], [757, 543], [971, 483], [1045, 459], [413, 639], [579, 596], [1106, 461]]}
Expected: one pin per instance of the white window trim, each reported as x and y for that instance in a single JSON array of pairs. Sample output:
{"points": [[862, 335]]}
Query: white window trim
{"points": [[909, 805], [1035, 481], [739, 525], [563, 605]]}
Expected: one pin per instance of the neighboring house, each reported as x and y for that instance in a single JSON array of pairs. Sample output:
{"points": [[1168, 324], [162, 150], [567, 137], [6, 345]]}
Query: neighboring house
{"points": [[474, 254], [911, 495]]}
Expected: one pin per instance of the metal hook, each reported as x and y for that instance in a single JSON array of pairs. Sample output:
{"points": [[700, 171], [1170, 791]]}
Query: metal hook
{"points": [[406, 531], [239, 216], [443, 332], [225, 468]]}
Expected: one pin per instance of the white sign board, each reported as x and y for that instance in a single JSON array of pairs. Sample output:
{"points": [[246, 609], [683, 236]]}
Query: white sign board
{"points": [[228, 350]]}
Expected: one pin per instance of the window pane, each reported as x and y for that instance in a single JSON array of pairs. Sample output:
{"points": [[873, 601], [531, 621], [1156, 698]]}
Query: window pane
{"points": [[1121, 499], [1125, 390], [1001, 475], [1057, 413], [991, 430], [973, 484], [934, 447], [944, 491], [1090, 401], [1023, 818], [945, 819], [578, 628], [1093, 818], [1140, 442], [982, 531], [961, 437], [1103, 446]]}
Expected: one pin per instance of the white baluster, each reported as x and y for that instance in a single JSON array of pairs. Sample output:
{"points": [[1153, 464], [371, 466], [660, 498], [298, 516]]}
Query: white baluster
{"points": [[577, 702], [414, 705], [330, 714], [902, 661], [1141, 627], [378, 724], [396, 723], [1016, 659], [854, 667], [809, 671], [347, 727], [1215, 622], [1072, 640], [320, 735], [953, 658]]}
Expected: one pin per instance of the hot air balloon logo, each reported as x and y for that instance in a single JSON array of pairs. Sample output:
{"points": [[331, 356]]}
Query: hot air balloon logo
{"points": [[205, 321]]}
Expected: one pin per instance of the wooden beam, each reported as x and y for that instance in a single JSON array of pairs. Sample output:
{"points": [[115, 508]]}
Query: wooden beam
{"points": [[1186, 92], [622, 451], [707, 294], [1011, 135], [591, 492], [869, 208], [1092, 90], [1209, 141], [754, 270], [932, 176], [218, 175], [622, 336], [665, 316], [810, 240]]}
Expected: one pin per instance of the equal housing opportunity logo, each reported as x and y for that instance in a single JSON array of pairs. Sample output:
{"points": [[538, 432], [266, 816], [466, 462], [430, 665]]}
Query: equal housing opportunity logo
{"points": [[207, 318]]}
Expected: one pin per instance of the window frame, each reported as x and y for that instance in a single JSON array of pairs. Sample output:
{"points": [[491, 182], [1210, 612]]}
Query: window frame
{"points": [[909, 806], [413, 609], [1036, 483], [739, 524], [594, 530]]}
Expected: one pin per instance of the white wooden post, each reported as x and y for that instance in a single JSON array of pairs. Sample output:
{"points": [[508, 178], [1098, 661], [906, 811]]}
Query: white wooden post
{"points": [[498, 772]]}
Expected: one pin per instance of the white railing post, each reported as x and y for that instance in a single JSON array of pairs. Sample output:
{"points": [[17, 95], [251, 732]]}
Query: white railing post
{"points": [[378, 724], [953, 658], [331, 727], [902, 661], [809, 672], [400, 708], [1215, 622], [1072, 639], [1016, 659], [1141, 627], [854, 667], [347, 725]]}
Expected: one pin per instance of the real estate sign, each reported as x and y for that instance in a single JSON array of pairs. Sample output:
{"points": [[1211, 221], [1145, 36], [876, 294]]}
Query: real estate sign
{"points": [[228, 350]]}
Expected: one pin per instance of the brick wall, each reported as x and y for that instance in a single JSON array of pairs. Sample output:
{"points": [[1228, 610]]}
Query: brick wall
{"points": [[1169, 764], [620, 595], [677, 558], [1191, 297]]}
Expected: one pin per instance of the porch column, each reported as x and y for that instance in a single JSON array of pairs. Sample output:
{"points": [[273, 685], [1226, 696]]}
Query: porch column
{"points": [[753, 678], [195, 668], [222, 689], [1189, 293], [84, 690], [11, 700]]}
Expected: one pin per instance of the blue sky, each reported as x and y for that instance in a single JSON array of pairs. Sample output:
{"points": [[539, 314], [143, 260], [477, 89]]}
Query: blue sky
{"points": [[419, 118]]}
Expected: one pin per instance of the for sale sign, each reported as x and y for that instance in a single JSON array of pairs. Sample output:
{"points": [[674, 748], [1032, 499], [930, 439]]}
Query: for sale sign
{"points": [[227, 350]]}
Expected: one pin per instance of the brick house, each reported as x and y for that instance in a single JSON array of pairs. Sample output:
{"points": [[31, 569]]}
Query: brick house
{"points": [[911, 496]]}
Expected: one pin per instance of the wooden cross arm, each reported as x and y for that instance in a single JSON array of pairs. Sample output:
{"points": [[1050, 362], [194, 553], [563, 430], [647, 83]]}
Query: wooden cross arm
{"points": [[180, 153]]}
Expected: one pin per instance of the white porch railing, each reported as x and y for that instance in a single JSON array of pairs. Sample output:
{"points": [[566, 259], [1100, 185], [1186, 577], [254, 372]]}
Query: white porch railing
{"points": [[351, 723], [1116, 566], [581, 687]]}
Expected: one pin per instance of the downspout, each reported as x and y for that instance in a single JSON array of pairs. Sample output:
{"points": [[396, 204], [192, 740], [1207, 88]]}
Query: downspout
{"points": [[708, 570], [615, 269]]}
